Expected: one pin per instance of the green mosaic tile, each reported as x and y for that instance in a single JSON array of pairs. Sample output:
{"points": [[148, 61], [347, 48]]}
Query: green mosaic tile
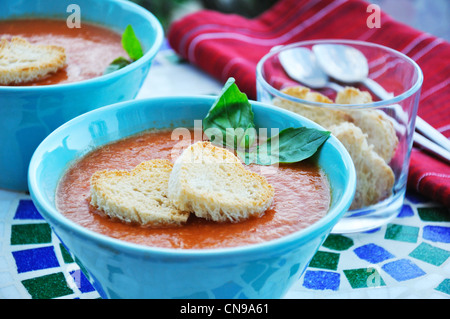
{"points": [[325, 260], [434, 214], [402, 233], [23, 234], [338, 242], [430, 254], [364, 278], [444, 286], [66, 255], [48, 286]]}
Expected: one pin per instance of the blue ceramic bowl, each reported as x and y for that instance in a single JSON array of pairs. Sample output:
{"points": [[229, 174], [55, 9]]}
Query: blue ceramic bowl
{"points": [[29, 114], [124, 270]]}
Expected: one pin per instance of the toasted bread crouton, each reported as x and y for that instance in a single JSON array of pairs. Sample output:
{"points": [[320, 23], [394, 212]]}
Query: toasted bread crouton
{"points": [[352, 95], [21, 61], [374, 178], [212, 183], [138, 196], [321, 115], [380, 132], [368, 135], [378, 127]]}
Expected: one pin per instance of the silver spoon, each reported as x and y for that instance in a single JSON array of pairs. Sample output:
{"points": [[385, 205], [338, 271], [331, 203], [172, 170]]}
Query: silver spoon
{"points": [[347, 64], [300, 64]]}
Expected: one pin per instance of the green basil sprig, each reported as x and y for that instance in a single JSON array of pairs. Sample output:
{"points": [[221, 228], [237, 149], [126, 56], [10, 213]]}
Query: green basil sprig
{"points": [[231, 119], [231, 110], [132, 47]]}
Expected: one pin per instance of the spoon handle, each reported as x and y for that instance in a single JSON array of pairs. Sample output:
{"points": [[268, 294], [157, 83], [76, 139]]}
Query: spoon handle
{"points": [[423, 127], [334, 86], [427, 130], [377, 89], [433, 148]]}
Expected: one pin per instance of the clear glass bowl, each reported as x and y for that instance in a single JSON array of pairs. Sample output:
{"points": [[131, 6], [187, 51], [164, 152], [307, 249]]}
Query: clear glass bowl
{"points": [[378, 133]]}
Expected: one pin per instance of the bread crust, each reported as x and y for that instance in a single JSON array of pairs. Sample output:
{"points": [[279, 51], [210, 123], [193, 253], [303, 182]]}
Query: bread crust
{"points": [[376, 125], [212, 183], [322, 116], [22, 62], [374, 178], [368, 135], [138, 196]]}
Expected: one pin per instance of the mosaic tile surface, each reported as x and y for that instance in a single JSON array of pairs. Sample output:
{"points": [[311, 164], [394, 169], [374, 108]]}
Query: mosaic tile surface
{"points": [[33, 262], [407, 258]]}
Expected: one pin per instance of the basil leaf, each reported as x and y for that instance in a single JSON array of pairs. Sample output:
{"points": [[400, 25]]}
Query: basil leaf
{"points": [[117, 64], [290, 145], [131, 44], [230, 119], [229, 123]]}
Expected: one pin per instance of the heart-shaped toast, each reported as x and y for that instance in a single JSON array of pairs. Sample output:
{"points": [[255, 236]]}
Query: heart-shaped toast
{"points": [[375, 178], [138, 196], [21, 61], [212, 183]]}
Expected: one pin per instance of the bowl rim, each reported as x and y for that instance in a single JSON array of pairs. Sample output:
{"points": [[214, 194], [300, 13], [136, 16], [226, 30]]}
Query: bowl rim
{"points": [[148, 56], [396, 99], [298, 237]]}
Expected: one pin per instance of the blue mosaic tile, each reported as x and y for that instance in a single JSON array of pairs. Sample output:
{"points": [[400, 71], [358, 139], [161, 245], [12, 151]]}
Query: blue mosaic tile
{"points": [[373, 253], [403, 269], [402, 233], [321, 280], [81, 281], [437, 233], [444, 286], [406, 211], [416, 198], [430, 254], [27, 210], [34, 259], [372, 231]]}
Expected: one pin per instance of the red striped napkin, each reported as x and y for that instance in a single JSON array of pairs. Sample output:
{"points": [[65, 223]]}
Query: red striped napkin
{"points": [[227, 45]]}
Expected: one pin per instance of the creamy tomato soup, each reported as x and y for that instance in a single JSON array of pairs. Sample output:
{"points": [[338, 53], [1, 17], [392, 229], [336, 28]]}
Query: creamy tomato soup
{"points": [[302, 197], [89, 49]]}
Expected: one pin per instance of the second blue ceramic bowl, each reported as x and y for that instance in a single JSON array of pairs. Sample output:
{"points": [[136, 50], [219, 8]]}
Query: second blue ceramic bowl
{"points": [[120, 269], [29, 113]]}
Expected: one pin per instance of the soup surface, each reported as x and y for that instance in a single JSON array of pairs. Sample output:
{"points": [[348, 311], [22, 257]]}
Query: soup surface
{"points": [[89, 49], [302, 196]]}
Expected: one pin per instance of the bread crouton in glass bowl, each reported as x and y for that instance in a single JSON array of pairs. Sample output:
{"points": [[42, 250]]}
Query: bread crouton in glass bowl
{"points": [[367, 95]]}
